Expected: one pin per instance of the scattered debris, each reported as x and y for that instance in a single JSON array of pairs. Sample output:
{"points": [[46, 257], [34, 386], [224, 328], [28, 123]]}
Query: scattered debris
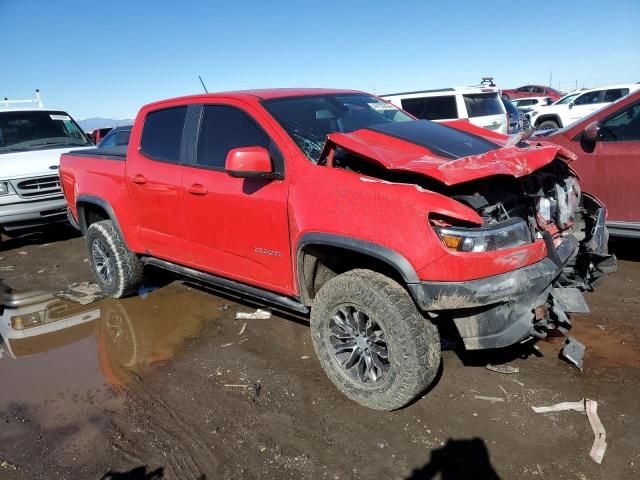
{"points": [[22, 252], [83, 293], [244, 327], [489, 399], [503, 390], [223, 308], [8, 268], [259, 314], [257, 388], [304, 357], [630, 300], [590, 407], [601, 327], [41, 271], [573, 352], [5, 464], [506, 369], [231, 385], [227, 345]]}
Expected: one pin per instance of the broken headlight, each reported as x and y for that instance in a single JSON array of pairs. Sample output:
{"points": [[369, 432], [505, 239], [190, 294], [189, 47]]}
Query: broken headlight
{"points": [[508, 234]]}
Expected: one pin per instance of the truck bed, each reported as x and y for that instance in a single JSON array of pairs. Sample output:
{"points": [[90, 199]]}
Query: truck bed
{"points": [[114, 153]]}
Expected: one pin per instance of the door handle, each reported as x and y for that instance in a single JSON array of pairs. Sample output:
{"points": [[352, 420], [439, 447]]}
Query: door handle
{"points": [[139, 179], [197, 189]]}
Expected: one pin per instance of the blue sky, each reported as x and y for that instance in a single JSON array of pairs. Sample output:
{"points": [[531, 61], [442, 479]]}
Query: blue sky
{"points": [[109, 62]]}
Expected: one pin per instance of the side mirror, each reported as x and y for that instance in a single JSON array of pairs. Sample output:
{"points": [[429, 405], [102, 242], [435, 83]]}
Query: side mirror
{"points": [[247, 162], [591, 132], [570, 105]]}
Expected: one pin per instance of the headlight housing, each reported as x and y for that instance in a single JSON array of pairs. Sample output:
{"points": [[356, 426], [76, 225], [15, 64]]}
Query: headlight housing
{"points": [[28, 320], [4, 188], [508, 234]]}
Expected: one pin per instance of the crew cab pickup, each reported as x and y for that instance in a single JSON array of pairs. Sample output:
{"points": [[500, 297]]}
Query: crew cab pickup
{"points": [[338, 204]]}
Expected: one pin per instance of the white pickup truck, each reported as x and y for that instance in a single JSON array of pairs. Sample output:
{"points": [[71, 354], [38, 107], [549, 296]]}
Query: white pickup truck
{"points": [[31, 141]]}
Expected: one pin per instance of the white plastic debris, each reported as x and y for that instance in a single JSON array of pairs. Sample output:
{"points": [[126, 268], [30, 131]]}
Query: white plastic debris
{"points": [[506, 369], [590, 407], [259, 314], [83, 293], [244, 327], [488, 399]]}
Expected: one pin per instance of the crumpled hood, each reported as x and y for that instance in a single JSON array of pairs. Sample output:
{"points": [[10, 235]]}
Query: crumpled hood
{"points": [[465, 154], [15, 165]]}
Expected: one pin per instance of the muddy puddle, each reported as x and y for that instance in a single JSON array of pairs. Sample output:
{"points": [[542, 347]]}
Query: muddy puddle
{"points": [[67, 375]]}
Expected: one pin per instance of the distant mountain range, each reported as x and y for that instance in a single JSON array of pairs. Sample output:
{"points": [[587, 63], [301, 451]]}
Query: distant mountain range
{"points": [[89, 124]]}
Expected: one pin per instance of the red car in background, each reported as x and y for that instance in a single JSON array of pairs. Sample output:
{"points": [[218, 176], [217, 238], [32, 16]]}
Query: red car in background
{"points": [[607, 144], [532, 91]]}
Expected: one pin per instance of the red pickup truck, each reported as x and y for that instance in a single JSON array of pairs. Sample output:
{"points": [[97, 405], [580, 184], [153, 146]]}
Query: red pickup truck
{"points": [[338, 204]]}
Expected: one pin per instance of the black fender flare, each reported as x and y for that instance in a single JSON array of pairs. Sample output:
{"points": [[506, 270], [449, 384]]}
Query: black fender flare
{"points": [[102, 203], [550, 116], [392, 258]]}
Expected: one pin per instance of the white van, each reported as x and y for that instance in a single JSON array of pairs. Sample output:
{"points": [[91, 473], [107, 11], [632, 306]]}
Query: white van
{"points": [[480, 105], [31, 141]]}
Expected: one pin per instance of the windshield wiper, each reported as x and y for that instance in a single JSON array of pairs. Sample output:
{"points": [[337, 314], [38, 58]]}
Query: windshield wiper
{"points": [[9, 149], [42, 144]]}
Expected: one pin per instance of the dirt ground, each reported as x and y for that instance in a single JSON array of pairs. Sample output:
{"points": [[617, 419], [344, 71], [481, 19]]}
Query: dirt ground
{"points": [[169, 385]]}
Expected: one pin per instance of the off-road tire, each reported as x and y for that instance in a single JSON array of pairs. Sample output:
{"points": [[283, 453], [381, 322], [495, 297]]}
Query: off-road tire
{"points": [[548, 125], [127, 268], [413, 340]]}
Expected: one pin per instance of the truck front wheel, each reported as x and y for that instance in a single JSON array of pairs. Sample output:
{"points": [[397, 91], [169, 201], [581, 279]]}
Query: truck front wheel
{"points": [[372, 342], [117, 270]]}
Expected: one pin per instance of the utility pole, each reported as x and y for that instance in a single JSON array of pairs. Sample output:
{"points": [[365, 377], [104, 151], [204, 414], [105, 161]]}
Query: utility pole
{"points": [[550, 78]]}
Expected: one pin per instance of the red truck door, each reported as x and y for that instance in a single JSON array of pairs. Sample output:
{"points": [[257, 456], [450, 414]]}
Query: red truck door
{"points": [[154, 180], [239, 226], [616, 168]]}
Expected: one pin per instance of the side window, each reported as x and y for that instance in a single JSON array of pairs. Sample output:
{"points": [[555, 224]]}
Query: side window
{"points": [[524, 89], [224, 128], [537, 90], [123, 137], [432, 108], [589, 98], [162, 134], [623, 126], [108, 141], [615, 94]]}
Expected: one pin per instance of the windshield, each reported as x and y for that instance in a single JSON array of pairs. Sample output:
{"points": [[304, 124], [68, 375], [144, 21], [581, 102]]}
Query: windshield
{"points": [[483, 104], [33, 130], [309, 119], [566, 99]]}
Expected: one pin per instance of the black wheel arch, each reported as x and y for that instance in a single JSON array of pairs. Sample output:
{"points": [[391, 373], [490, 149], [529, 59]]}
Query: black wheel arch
{"points": [[88, 203], [553, 117], [395, 263]]}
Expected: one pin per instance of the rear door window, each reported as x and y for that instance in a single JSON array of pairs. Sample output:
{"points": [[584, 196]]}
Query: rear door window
{"points": [[123, 137], [224, 128], [590, 98], [615, 94], [483, 104], [162, 134], [431, 108]]}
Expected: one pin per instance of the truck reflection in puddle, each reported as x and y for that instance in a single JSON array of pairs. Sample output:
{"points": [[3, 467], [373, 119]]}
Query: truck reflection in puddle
{"points": [[129, 334]]}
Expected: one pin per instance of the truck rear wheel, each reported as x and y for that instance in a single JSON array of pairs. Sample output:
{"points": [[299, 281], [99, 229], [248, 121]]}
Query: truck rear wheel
{"points": [[371, 340], [117, 270]]}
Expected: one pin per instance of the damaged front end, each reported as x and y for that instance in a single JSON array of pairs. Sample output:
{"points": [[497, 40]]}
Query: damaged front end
{"points": [[531, 301]]}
